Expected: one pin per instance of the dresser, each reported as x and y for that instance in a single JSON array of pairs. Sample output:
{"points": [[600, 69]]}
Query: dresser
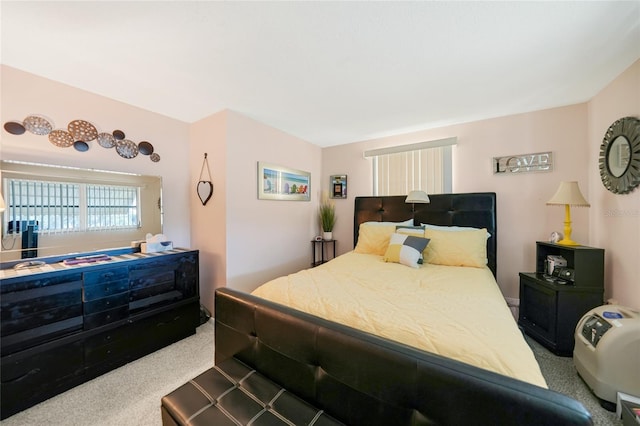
{"points": [[62, 325]]}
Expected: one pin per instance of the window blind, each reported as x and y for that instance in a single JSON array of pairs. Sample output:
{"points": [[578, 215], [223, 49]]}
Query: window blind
{"points": [[68, 207], [425, 166]]}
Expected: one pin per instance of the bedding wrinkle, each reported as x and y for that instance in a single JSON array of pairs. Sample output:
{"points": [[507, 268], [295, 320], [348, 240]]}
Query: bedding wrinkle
{"points": [[456, 312]]}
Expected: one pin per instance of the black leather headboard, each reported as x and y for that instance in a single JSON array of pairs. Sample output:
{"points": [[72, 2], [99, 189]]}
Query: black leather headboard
{"points": [[362, 379], [476, 209]]}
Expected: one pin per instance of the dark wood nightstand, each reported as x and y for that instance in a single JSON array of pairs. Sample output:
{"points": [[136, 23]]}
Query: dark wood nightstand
{"points": [[550, 308], [323, 255]]}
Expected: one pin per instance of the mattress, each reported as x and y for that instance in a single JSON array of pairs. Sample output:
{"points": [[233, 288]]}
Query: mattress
{"points": [[456, 312]]}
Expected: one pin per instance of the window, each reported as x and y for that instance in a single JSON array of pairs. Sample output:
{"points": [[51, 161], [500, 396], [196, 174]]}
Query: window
{"points": [[111, 207], [425, 166], [53, 206]]}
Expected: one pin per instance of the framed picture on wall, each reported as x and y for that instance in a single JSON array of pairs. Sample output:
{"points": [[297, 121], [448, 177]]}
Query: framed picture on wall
{"points": [[281, 183], [338, 186]]}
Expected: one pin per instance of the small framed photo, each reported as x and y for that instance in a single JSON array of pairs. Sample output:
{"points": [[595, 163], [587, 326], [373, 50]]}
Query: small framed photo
{"points": [[281, 183], [338, 186]]}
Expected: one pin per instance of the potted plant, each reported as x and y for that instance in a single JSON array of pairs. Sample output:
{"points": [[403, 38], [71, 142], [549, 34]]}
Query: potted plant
{"points": [[327, 214]]}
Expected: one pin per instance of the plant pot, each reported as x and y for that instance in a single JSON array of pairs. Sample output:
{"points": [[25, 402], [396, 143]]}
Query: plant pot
{"points": [[327, 236]]}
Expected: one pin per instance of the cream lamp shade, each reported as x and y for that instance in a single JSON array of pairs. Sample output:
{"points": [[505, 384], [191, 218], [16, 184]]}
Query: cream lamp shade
{"points": [[417, 197], [568, 194], [2, 205]]}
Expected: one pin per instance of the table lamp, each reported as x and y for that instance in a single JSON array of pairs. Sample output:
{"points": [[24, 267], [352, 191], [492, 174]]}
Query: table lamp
{"points": [[568, 194], [414, 197]]}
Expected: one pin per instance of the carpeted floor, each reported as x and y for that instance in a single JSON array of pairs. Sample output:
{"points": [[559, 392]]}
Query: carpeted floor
{"points": [[561, 376], [130, 395]]}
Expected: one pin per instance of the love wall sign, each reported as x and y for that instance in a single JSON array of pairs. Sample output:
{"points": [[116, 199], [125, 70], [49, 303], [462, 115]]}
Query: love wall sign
{"points": [[523, 163]]}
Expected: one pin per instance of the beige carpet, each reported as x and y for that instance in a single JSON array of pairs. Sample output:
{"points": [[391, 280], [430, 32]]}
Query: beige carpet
{"points": [[130, 395]]}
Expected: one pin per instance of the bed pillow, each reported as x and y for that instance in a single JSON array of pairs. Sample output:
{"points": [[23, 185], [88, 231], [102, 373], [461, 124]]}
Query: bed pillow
{"points": [[451, 228], [460, 248], [418, 231], [405, 249], [373, 237]]}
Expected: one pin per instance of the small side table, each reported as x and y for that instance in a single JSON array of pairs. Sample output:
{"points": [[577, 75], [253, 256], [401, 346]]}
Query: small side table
{"points": [[324, 247]]}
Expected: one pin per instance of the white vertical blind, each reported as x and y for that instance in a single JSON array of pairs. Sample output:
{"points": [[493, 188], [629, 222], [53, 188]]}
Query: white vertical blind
{"points": [[51, 206], [401, 172]]}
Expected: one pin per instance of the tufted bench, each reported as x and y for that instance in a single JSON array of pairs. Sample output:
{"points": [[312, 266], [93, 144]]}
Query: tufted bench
{"points": [[231, 393]]}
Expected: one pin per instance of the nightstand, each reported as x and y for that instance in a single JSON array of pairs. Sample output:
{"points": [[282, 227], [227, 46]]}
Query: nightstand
{"points": [[550, 308], [324, 246]]}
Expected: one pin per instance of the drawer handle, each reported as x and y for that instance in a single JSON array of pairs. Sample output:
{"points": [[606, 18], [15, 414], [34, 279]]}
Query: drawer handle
{"points": [[24, 376]]}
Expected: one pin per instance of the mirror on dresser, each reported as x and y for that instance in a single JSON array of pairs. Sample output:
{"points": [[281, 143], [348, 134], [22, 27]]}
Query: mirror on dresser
{"points": [[54, 210]]}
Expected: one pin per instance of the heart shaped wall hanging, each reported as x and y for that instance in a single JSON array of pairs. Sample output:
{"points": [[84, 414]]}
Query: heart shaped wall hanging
{"points": [[205, 191], [204, 188]]}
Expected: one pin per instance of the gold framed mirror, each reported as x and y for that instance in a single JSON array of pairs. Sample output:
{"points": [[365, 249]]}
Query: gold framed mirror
{"points": [[619, 160]]}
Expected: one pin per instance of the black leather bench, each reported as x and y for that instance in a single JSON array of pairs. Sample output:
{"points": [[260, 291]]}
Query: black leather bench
{"points": [[335, 372], [232, 393]]}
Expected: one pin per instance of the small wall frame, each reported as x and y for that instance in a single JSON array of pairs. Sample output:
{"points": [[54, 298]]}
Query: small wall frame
{"points": [[338, 186]]}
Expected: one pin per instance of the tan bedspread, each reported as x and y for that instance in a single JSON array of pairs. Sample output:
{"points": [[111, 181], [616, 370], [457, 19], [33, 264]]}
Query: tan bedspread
{"points": [[464, 318]]}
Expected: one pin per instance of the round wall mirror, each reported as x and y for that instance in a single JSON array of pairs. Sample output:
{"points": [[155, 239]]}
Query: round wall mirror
{"points": [[620, 156]]}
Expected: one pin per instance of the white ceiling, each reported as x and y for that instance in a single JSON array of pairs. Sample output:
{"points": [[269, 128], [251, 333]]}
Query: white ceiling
{"points": [[328, 72]]}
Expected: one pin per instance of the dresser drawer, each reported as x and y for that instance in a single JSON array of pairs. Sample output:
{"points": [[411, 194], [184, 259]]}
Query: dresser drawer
{"points": [[105, 317], [106, 275], [111, 349], [101, 290], [31, 376], [106, 303], [35, 307]]}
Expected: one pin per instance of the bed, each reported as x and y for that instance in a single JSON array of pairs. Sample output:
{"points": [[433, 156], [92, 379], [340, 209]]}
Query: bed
{"points": [[450, 304]]}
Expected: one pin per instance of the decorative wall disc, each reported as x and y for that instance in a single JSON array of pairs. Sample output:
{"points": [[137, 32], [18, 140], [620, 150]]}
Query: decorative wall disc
{"points": [[155, 157], [106, 140], [82, 130], [118, 134], [81, 146], [37, 125], [14, 127], [126, 148], [61, 138], [145, 148]]}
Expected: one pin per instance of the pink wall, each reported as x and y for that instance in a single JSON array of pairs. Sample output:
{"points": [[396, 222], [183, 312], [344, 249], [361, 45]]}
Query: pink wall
{"points": [[523, 216], [244, 241], [266, 238], [23, 94], [615, 219], [208, 222]]}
